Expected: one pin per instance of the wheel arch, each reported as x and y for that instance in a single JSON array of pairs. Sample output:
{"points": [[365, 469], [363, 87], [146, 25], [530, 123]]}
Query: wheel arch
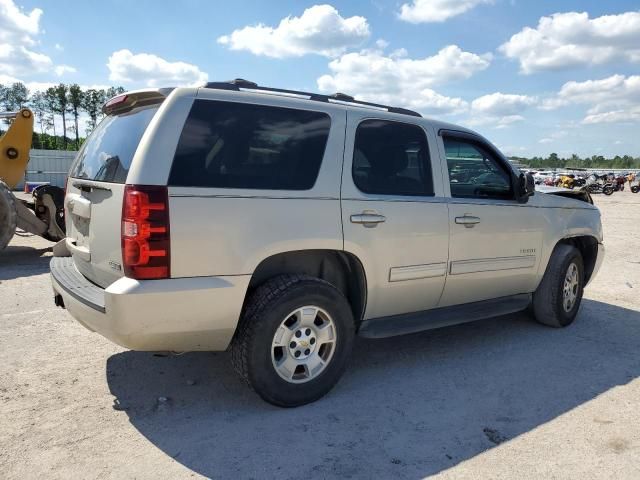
{"points": [[342, 269], [587, 245]]}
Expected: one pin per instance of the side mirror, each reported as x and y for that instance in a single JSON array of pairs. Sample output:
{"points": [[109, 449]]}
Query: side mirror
{"points": [[526, 187]]}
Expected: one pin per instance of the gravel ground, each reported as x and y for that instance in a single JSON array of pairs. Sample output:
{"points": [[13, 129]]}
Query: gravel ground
{"points": [[502, 398]]}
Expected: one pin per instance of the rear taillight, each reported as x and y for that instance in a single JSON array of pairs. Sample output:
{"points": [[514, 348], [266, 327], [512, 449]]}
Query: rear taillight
{"points": [[145, 232]]}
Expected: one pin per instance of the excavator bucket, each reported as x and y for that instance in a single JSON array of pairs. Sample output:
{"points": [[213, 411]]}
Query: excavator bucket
{"points": [[15, 145]]}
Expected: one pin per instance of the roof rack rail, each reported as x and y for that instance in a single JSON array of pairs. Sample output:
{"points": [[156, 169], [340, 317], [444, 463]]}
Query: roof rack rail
{"points": [[240, 84]]}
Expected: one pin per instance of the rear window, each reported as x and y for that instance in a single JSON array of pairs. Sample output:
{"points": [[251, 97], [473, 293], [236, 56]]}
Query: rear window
{"points": [[107, 154], [236, 145]]}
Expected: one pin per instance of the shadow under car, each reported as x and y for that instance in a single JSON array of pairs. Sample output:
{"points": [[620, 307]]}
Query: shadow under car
{"points": [[407, 406]]}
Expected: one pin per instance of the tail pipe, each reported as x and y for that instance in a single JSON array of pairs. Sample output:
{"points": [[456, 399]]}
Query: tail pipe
{"points": [[58, 300]]}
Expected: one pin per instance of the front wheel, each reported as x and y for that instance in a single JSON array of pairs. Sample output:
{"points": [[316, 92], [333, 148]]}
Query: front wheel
{"points": [[607, 190], [635, 189], [294, 339], [8, 215], [557, 299]]}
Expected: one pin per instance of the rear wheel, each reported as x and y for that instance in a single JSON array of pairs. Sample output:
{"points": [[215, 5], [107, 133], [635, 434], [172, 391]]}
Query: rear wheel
{"points": [[635, 189], [557, 300], [8, 215], [294, 339], [607, 190]]}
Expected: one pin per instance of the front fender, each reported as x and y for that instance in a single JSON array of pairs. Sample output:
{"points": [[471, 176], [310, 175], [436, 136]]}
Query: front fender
{"points": [[565, 223]]}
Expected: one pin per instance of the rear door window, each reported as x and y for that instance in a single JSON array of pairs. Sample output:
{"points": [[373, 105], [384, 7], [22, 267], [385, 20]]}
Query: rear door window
{"points": [[237, 145], [391, 158], [107, 154]]}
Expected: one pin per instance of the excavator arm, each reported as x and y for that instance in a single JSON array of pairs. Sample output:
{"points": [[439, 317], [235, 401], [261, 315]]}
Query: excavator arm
{"points": [[44, 215], [14, 146]]}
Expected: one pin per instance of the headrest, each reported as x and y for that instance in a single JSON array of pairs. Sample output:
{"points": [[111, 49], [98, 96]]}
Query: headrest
{"points": [[387, 160]]}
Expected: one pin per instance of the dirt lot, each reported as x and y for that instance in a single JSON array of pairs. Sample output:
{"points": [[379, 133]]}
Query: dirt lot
{"points": [[503, 398]]}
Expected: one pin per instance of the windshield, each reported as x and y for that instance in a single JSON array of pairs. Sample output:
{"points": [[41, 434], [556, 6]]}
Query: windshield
{"points": [[107, 154]]}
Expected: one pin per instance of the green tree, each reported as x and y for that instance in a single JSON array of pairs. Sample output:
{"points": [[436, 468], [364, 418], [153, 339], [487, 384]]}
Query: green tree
{"points": [[51, 100], [92, 104], [113, 91], [3, 96], [19, 94], [3, 100], [38, 104], [62, 107], [626, 162], [76, 97], [16, 96], [50, 124], [13, 98]]}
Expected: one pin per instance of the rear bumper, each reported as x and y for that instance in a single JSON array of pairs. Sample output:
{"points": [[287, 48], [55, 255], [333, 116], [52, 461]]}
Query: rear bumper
{"points": [[182, 314]]}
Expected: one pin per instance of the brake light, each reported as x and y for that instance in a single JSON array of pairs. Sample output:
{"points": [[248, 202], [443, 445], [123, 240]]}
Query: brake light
{"points": [[116, 101], [145, 232]]}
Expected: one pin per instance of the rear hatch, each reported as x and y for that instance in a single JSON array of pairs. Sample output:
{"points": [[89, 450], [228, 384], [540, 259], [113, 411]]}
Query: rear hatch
{"points": [[96, 185]]}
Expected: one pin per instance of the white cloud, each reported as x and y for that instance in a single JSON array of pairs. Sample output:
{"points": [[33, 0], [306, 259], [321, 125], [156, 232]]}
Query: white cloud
{"points": [[499, 109], [614, 116], [17, 26], [34, 87], [426, 11], [19, 60], [59, 47], [382, 43], [18, 32], [62, 69], [502, 104], [402, 81], [572, 39], [495, 122], [512, 150], [610, 100], [38, 86], [151, 70], [7, 79], [554, 136], [614, 90], [31, 86], [319, 30]]}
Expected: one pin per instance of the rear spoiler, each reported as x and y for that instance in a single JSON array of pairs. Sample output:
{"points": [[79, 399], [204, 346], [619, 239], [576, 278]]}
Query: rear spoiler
{"points": [[136, 98]]}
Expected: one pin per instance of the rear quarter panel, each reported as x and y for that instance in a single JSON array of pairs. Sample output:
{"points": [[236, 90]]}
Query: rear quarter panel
{"points": [[228, 231]]}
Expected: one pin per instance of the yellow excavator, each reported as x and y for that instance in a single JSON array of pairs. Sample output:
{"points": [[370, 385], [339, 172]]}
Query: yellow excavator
{"points": [[43, 215]]}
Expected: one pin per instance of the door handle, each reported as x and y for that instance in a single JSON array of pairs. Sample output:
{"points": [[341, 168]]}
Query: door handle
{"points": [[468, 221], [368, 219]]}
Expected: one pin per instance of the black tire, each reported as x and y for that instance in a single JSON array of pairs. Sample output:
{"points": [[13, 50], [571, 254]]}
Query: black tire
{"points": [[265, 310], [607, 190], [635, 189], [548, 308], [8, 215]]}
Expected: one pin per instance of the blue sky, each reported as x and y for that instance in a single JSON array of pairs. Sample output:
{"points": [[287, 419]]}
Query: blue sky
{"points": [[534, 77]]}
